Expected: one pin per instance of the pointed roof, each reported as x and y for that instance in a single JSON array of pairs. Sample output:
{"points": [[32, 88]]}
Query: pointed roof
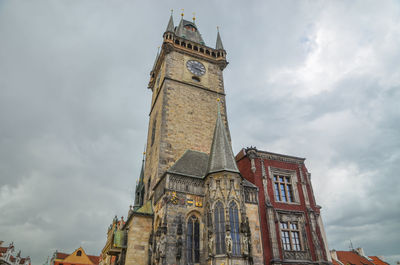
{"points": [[219, 45], [221, 154], [141, 177], [170, 27], [188, 30]]}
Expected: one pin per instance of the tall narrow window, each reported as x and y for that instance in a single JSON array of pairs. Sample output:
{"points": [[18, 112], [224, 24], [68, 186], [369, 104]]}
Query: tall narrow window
{"points": [[283, 189], [234, 222], [193, 240], [290, 235], [219, 222], [153, 132]]}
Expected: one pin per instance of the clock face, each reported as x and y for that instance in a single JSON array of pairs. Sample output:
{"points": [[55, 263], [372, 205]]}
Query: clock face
{"points": [[196, 67]]}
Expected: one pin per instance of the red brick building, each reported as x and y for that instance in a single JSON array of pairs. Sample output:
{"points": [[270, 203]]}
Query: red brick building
{"points": [[291, 225]]}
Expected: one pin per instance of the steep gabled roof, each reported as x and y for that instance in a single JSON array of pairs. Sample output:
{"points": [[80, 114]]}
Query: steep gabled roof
{"points": [[182, 32], [219, 45], [170, 26], [377, 261], [221, 155]]}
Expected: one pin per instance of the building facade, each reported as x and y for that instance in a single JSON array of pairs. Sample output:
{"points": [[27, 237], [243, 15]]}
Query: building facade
{"points": [[9, 256], [78, 257], [193, 204], [292, 228]]}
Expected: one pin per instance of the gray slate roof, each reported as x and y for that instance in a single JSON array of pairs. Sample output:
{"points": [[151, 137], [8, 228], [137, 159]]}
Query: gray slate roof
{"points": [[221, 155], [182, 32], [192, 164]]}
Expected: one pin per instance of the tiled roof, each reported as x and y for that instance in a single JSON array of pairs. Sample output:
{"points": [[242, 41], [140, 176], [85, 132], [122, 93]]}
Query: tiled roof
{"points": [[378, 261], [3, 249], [191, 163], [352, 258], [335, 262], [94, 259], [61, 255]]}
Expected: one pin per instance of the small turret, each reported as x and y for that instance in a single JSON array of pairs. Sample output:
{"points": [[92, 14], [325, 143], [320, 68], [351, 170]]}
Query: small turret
{"points": [[219, 45], [170, 26], [139, 193]]}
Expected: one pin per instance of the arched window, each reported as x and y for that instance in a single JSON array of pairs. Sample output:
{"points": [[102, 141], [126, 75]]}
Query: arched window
{"points": [[79, 253], [219, 224], [234, 222], [193, 240]]}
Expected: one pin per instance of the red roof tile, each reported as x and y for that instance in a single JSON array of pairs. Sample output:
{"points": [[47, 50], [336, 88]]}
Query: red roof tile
{"points": [[61, 255], [3, 249], [335, 262], [94, 259], [350, 257], [378, 261]]}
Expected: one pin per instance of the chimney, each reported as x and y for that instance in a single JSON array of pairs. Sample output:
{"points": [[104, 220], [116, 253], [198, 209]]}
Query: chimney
{"points": [[333, 254], [360, 251]]}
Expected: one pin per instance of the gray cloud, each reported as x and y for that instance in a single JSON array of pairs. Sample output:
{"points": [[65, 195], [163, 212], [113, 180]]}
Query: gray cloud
{"points": [[317, 80]]}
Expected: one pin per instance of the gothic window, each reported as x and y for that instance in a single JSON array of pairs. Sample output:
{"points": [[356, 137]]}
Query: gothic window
{"points": [[153, 132], [290, 234], [234, 222], [219, 222], [193, 240], [283, 189]]}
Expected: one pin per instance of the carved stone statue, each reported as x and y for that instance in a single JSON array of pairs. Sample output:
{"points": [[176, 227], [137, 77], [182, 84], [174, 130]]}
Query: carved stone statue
{"points": [[245, 244], [210, 243], [228, 242], [179, 248]]}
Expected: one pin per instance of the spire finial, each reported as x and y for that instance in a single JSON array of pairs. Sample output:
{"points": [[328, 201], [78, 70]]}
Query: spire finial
{"points": [[172, 11], [218, 28], [182, 14], [194, 16]]}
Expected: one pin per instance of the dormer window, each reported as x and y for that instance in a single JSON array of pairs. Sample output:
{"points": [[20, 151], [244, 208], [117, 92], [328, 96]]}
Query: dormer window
{"points": [[79, 253], [190, 27]]}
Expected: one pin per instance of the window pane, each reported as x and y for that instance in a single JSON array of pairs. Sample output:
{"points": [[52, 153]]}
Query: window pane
{"points": [[196, 241], [280, 178], [234, 222], [277, 192], [219, 228], [283, 193], [290, 193], [189, 241]]}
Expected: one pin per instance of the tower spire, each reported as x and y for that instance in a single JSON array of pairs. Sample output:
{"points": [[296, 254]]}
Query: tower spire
{"points": [[219, 45], [170, 27], [221, 154], [139, 193]]}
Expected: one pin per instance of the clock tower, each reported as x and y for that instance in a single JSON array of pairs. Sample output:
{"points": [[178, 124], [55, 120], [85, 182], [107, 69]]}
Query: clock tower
{"points": [[186, 81]]}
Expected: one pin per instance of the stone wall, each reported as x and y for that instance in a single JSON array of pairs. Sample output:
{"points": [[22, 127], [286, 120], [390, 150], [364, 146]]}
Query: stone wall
{"points": [[140, 227]]}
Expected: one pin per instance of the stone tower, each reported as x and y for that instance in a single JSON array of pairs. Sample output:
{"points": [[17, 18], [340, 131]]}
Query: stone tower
{"points": [[186, 81]]}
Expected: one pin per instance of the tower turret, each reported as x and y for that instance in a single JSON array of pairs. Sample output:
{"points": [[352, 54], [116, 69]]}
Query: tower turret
{"points": [[219, 45]]}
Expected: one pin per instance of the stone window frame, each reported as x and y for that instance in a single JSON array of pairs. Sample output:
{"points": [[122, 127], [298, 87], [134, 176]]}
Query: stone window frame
{"points": [[299, 218], [217, 232], [292, 174], [192, 216]]}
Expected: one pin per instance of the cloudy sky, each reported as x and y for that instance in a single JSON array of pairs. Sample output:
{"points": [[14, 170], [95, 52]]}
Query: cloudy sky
{"points": [[316, 79]]}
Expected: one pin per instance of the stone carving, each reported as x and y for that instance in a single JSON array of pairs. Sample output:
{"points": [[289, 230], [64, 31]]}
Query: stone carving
{"points": [[210, 243], [179, 248], [228, 242], [245, 245], [296, 255]]}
